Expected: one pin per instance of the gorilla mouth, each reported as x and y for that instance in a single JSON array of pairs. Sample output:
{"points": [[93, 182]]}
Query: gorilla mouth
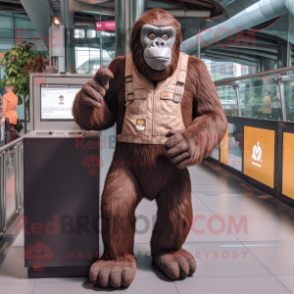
{"points": [[158, 57]]}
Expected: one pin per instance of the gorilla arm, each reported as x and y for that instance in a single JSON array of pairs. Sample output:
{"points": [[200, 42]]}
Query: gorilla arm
{"points": [[192, 145], [90, 110]]}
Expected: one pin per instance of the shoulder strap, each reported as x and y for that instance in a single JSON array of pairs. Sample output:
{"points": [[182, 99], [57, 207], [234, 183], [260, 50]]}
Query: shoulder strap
{"points": [[181, 80], [129, 78]]}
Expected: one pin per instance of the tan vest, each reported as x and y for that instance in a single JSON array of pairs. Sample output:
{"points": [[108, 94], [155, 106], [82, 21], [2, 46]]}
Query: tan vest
{"points": [[152, 113]]}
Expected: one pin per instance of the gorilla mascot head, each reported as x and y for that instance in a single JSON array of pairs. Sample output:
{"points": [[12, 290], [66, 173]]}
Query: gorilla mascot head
{"points": [[156, 37]]}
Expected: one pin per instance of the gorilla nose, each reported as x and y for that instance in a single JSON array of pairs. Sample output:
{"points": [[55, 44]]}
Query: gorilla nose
{"points": [[159, 43]]}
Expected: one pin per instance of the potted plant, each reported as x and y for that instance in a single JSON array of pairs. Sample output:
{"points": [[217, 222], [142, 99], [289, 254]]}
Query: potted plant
{"points": [[19, 62]]}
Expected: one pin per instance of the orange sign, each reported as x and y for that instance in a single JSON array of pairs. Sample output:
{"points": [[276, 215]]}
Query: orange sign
{"points": [[259, 154], [288, 165], [224, 156]]}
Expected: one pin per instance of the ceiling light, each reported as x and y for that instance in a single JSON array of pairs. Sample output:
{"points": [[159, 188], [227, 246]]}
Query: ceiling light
{"points": [[56, 20]]}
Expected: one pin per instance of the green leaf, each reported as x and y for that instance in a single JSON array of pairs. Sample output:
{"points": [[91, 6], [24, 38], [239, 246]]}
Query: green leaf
{"points": [[19, 61]]}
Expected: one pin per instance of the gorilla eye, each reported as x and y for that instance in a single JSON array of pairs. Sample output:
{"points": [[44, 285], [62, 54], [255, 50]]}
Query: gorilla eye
{"points": [[152, 36], [165, 36]]}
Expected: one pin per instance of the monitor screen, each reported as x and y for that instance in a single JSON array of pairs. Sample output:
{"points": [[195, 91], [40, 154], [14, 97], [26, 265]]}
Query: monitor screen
{"points": [[57, 101]]}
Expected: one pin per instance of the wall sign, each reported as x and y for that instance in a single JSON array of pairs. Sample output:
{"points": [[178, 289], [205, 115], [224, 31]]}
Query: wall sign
{"points": [[259, 154], [105, 26]]}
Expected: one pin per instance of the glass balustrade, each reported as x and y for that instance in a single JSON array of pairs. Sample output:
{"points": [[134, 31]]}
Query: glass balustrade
{"points": [[11, 183], [227, 96], [268, 95], [288, 90], [260, 98]]}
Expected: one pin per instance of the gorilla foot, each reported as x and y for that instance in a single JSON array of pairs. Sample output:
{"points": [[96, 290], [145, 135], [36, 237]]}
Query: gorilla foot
{"points": [[178, 264], [114, 273]]}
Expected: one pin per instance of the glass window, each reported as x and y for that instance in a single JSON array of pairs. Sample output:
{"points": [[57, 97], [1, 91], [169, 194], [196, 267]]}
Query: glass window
{"points": [[6, 45], [227, 69], [15, 28], [79, 34], [82, 58], [91, 34], [24, 22], [6, 26], [227, 96], [88, 59]]}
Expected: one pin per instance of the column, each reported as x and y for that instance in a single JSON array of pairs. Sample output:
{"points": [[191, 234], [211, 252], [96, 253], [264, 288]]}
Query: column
{"points": [[266, 64], [68, 14], [282, 53], [126, 14]]}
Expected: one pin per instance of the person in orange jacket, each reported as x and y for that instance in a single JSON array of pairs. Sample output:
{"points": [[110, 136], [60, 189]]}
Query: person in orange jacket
{"points": [[10, 102]]}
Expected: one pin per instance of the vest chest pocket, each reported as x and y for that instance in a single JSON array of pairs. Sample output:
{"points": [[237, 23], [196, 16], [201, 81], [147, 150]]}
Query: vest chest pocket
{"points": [[168, 105], [137, 102]]}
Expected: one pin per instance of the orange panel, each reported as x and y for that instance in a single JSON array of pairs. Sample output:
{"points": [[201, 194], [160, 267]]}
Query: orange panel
{"points": [[288, 165], [259, 154], [224, 157]]}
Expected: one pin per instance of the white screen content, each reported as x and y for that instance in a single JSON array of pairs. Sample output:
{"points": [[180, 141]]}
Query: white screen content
{"points": [[57, 101]]}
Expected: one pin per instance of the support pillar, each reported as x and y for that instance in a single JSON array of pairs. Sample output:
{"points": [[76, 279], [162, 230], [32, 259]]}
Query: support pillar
{"points": [[266, 64], [57, 47], [126, 14], [68, 14], [282, 57]]}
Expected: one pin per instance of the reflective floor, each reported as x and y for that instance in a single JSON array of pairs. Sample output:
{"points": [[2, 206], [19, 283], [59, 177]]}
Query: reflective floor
{"points": [[243, 241]]}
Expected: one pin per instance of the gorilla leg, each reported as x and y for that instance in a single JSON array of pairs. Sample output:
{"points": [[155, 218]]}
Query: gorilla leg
{"points": [[174, 218], [120, 198]]}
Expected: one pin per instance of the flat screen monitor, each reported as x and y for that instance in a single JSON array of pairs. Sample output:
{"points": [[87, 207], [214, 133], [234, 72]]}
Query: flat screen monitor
{"points": [[57, 101]]}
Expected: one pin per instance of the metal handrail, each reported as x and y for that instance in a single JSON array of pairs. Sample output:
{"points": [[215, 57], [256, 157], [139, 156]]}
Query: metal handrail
{"points": [[278, 79], [231, 81], [11, 144], [16, 145]]}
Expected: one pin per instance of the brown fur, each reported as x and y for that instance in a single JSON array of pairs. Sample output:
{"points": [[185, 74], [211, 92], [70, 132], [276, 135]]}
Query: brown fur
{"points": [[163, 179]]}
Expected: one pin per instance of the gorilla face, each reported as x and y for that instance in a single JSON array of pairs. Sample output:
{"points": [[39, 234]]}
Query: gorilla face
{"points": [[157, 43]]}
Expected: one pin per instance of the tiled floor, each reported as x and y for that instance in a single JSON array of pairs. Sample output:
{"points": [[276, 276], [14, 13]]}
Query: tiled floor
{"points": [[242, 241]]}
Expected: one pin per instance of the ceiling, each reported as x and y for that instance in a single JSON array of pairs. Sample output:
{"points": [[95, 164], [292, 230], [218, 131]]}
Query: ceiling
{"points": [[12, 6], [221, 10]]}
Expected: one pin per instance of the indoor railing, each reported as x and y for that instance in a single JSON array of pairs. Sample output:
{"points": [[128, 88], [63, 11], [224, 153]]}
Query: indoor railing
{"points": [[11, 183], [259, 143], [265, 95]]}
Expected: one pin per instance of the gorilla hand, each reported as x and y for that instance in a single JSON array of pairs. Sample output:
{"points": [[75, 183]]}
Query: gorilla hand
{"points": [[181, 150], [93, 91]]}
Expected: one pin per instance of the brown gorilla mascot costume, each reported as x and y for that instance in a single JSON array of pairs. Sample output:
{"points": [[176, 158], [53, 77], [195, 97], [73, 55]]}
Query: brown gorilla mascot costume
{"points": [[168, 116]]}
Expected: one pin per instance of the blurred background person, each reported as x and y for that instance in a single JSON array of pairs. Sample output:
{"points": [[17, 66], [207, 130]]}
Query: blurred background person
{"points": [[276, 108], [10, 102], [2, 129], [266, 108]]}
